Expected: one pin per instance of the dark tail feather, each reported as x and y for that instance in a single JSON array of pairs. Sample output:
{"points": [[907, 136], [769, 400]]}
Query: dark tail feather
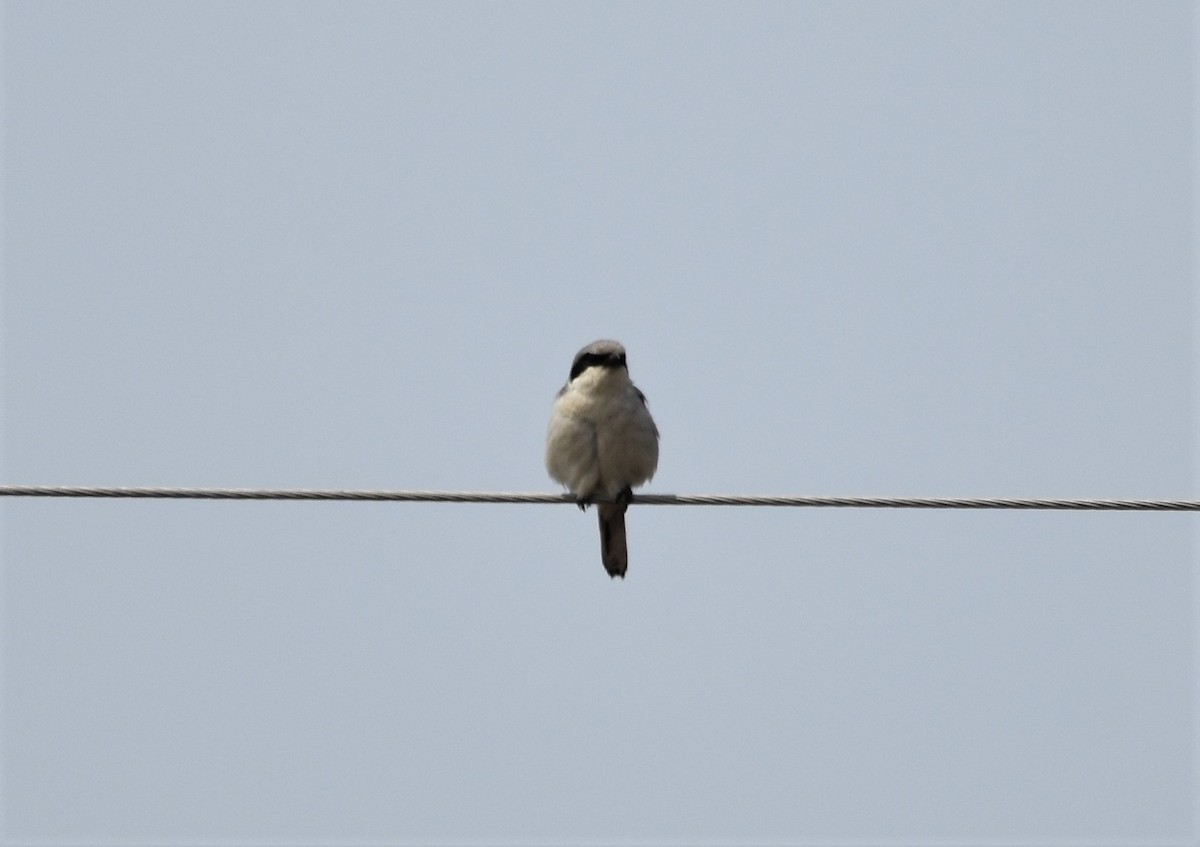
{"points": [[612, 539]]}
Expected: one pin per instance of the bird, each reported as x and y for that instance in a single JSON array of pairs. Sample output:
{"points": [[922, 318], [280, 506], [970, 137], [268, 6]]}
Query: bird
{"points": [[602, 442]]}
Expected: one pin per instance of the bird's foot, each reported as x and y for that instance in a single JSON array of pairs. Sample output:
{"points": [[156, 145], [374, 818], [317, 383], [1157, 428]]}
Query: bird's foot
{"points": [[623, 498]]}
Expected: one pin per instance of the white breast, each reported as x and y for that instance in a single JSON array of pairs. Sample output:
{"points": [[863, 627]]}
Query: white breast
{"points": [[602, 438]]}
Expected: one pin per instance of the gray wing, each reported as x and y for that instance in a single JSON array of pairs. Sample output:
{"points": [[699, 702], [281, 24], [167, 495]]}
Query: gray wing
{"points": [[645, 406]]}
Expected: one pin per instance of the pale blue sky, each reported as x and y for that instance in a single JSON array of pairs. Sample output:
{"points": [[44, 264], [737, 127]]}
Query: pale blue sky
{"points": [[922, 248]]}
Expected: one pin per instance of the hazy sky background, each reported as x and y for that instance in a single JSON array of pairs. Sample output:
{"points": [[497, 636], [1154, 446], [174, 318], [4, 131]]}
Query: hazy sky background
{"points": [[907, 248]]}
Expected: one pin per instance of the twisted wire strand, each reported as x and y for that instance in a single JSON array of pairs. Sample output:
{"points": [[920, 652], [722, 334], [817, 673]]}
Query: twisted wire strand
{"points": [[641, 499]]}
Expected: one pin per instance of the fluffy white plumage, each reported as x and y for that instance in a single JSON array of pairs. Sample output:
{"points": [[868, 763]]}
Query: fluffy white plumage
{"points": [[602, 441]]}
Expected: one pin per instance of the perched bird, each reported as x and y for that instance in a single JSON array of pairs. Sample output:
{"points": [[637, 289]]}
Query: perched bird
{"points": [[602, 442]]}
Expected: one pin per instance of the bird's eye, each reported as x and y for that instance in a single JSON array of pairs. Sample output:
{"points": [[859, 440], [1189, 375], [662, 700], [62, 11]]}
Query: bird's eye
{"points": [[584, 362]]}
